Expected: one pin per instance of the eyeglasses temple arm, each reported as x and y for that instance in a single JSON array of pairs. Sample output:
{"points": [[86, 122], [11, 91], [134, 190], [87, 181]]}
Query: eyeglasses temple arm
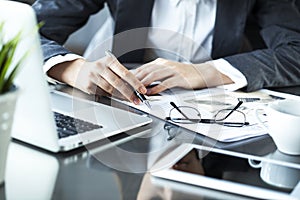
{"points": [[236, 107], [176, 107]]}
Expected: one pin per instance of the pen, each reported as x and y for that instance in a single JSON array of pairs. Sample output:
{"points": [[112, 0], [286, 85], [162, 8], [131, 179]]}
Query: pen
{"points": [[137, 93]]}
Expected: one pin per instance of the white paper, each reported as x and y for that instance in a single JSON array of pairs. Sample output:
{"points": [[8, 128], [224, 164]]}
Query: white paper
{"points": [[208, 102]]}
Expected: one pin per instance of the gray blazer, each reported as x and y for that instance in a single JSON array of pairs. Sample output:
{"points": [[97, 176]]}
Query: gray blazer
{"points": [[276, 64]]}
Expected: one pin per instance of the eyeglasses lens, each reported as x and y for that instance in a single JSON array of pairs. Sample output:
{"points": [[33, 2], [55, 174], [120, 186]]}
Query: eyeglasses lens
{"points": [[229, 117], [191, 115]]}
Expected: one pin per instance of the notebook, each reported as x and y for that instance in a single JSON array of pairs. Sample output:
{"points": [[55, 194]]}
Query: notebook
{"points": [[38, 108]]}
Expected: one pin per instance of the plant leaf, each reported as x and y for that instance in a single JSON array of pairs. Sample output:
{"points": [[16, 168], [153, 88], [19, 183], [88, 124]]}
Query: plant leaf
{"points": [[6, 58], [12, 75], [1, 35], [3, 59]]}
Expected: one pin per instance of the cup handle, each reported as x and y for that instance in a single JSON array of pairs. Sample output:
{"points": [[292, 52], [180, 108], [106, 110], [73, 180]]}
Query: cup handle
{"points": [[254, 163]]}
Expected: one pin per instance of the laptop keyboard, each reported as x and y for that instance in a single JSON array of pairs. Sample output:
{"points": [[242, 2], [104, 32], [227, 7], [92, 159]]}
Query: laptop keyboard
{"points": [[68, 126]]}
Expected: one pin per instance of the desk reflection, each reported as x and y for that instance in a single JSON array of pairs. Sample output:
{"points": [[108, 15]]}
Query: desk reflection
{"points": [[36, 174], [279, 170], [33, 174], [115, 171]]}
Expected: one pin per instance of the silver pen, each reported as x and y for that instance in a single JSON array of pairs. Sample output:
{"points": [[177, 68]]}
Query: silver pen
{"points": [[137, 93]]}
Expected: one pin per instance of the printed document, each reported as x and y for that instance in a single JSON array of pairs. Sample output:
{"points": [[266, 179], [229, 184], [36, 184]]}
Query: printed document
{"points": [[208, 102]]}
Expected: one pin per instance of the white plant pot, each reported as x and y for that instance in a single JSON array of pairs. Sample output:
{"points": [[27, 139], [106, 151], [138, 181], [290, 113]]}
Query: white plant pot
{"points": [[7, 108]]}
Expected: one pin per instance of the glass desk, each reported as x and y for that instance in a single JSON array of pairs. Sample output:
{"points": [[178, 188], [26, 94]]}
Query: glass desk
{"points": [[119, 167]]}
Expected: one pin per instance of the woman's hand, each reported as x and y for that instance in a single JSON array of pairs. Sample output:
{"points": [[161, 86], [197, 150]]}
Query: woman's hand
{"points": [[106, 73], [175, 74]]}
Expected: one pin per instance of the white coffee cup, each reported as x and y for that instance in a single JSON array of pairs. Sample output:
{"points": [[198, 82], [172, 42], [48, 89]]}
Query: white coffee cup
{"points": [[278, 175], [284, 125]]}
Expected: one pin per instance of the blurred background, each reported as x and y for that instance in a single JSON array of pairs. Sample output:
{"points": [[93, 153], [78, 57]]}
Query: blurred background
{"points": [[79, 40]]}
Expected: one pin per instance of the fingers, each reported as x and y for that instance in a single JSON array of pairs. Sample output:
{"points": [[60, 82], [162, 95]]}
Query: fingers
{"points": [[146, 69], [111, 76], [125, 74], [102, 83], [158, 74], [114, 85], [168, 83], [157, 70], [107, 74], [175, 74], [114, 79]]}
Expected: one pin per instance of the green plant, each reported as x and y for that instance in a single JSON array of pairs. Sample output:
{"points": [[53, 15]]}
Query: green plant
{"points": [[8, 70]]}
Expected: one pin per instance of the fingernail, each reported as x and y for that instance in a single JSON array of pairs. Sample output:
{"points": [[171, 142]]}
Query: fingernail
{"points": [[143, 90], [136, 101], [148, 92]]}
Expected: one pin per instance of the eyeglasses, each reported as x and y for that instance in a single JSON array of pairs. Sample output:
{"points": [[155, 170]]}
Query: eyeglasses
{"points": [[189, 115]]}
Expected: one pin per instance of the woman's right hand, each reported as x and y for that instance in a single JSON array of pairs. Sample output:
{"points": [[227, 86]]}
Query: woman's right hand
{"points": [[106, 73]]}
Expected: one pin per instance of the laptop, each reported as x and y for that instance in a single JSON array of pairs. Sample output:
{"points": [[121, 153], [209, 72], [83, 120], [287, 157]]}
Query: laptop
{"points": [[49, 119]]}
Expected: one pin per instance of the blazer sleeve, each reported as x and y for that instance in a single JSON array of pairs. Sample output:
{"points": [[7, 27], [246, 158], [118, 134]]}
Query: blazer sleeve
{"points": [[61, 18], [279, 64]]}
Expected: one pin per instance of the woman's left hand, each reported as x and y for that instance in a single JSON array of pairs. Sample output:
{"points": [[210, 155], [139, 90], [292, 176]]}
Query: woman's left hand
{"points": [[175, 74]]}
